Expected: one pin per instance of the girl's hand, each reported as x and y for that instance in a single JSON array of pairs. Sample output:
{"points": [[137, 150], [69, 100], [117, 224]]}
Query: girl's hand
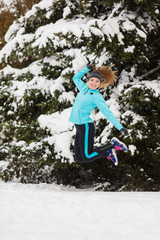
{"points": [[91, 66], [124, 131]]}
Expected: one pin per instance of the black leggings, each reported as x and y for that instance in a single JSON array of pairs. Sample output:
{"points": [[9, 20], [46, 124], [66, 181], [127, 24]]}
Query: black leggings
{"points": [[84, 142]]}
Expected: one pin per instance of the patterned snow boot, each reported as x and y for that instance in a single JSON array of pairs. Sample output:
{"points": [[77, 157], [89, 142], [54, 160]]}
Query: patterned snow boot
{"points": [[118, 145], [112, 156]]}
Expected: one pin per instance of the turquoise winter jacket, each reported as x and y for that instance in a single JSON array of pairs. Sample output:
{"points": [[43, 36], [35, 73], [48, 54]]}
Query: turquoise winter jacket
{"points": [[86, 100]]}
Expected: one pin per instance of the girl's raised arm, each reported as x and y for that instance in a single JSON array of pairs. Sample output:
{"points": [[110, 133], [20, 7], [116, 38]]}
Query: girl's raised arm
{"points": [[77, 78]]}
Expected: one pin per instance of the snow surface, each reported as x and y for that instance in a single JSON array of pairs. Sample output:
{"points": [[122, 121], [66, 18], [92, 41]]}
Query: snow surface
{"points": [[38, 212]]}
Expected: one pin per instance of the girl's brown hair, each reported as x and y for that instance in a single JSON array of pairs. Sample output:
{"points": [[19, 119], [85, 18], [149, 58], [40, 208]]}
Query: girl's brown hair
{"points": [[107, 74]]}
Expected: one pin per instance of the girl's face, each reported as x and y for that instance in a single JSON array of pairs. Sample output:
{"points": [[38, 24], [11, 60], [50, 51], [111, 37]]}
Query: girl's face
{"points": [[93, 83]]}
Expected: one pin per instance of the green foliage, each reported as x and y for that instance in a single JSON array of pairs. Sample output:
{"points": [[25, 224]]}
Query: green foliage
{"points": [[30, 164], [94, 8], [142, 55], [142, 103], [51, 72], [35, 21], [39, 19], [25, 77]]}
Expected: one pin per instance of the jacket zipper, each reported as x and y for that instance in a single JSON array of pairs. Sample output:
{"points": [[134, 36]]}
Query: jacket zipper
{"points": [[86, 91]]}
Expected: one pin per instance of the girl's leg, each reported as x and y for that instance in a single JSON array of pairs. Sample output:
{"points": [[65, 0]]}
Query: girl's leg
{"points": [[86, 142], [77, 151]]}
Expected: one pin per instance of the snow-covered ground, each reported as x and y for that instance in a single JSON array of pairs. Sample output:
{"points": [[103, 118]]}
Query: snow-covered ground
{"points": [[51, 212]]}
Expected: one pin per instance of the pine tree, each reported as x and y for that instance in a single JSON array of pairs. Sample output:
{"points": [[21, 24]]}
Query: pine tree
{"points": [[37, 91], [8, 14]]}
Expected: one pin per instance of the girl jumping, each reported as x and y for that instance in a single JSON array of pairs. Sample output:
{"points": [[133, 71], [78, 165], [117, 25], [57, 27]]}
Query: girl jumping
{"points": [[87, 99]]}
